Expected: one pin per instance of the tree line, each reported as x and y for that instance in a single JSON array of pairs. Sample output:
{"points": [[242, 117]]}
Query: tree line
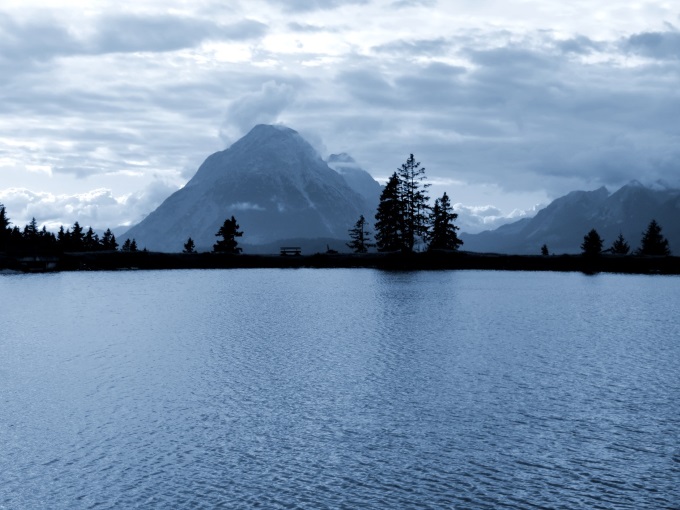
{"points": [[405, 219], [39, 241], [653, 243], [32, 240]]}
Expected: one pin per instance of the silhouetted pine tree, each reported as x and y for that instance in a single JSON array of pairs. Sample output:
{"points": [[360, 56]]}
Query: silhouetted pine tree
{"points": [[443, 231], [91, 241], [133, 246], [653, 243], [47, 241], [592, 244], [4, 229], [620, 246], [189, 246], [31, 230], [389, 219], [4, 220], [16, 239], [76, 238], [360, 236], [62, 238], [229, 231], [414, 200], [126, 246], [544, 250], [108, 241], [31, 240]]}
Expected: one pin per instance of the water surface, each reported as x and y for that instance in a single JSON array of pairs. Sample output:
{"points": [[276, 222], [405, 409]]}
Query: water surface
{"points": [[339, 389]]}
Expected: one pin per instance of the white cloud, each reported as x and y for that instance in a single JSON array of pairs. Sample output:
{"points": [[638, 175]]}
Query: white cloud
{"points": [[474, 219], [40, 169], [98, 208], [246, 206], [260, 107]]}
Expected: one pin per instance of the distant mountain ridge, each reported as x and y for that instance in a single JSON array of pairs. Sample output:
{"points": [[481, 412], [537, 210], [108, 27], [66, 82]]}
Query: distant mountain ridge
{"points": [[563, 223], [274, 183]]}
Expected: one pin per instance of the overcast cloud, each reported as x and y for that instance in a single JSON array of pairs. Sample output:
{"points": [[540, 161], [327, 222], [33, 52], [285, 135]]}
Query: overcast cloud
{"points": [[107, 109]]}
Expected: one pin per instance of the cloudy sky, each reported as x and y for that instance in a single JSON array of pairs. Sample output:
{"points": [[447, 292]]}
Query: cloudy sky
{"points": [[108, 106]]}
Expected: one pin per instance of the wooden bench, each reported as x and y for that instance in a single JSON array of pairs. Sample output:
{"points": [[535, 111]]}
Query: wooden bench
{"points": [[291, 250]]}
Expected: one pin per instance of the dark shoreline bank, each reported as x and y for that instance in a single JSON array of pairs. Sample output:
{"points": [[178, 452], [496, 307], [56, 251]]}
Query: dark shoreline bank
{"points": [[109, 261]]}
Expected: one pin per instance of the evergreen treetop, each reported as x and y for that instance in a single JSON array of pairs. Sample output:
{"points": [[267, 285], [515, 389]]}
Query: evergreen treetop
{"points": [[360, 237], [91, 241], [31, 230], [592, 244], [229, 231], [620, 246], [389, 218], [4, 229], [189, 246], [108, 241], [414, 199], [653, 242], [4, 220], [443, 231]]}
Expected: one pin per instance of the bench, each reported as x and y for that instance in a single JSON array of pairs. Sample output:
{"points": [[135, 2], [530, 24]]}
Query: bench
{"points": [[291, 250]]}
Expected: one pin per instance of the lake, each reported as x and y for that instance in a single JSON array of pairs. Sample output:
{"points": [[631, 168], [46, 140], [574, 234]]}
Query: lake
{"points": [[339, 389]]}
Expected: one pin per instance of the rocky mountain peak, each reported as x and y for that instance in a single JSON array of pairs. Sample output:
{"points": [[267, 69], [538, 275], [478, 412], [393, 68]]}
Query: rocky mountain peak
{"points": [[275, 184]]}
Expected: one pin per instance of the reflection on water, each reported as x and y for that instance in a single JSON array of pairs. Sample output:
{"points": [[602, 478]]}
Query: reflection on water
{"points": [[339, 389]]}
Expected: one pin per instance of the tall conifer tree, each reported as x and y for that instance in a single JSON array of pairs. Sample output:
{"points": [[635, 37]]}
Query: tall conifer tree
{"points": [[443, 232], [390, 218], [592, 244], [4, 229], [91, 240], [76, 240], [108, 241], [361, 238], [653, 242], [414, 202], [31, 230], [31, 237]]}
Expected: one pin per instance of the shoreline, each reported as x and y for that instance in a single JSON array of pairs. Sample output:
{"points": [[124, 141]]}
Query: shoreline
{"points": [[109, 261]]}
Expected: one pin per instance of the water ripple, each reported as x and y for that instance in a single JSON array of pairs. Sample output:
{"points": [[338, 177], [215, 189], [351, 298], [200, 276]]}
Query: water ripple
{"points": [[340, 389]]}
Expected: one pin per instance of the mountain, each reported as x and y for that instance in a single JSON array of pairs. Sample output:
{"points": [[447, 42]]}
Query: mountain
{"points": [[563, 223], [273, 182]]}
